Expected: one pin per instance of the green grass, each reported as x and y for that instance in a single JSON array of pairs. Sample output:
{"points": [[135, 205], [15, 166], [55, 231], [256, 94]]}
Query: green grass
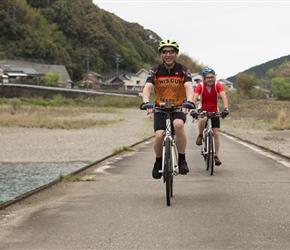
{"points": [[101, 102], [69, 177], [263, 114], [124, 148], [62, 113]]}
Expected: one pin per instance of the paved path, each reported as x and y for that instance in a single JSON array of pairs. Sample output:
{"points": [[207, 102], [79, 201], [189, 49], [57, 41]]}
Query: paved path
{"points": [[244, 205]]}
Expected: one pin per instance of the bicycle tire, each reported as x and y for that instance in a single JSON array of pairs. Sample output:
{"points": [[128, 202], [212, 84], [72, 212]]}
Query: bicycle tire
{"points": [[211, 152], [168, 172], [205, 154]]}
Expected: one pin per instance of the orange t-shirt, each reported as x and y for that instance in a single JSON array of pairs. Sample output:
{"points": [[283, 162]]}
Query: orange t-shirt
{"points": [[169, 85]]}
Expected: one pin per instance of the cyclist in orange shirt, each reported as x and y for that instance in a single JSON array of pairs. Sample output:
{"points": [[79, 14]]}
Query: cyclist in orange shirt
{"points": [[171, 82]]}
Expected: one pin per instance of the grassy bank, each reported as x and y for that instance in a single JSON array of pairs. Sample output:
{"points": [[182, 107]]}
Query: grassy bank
{"points": [[65, 113], [60, 112], [265, 114]]}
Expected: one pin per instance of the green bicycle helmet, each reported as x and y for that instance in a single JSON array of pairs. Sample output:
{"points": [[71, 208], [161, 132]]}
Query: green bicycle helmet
{"points": [[168, 43]]}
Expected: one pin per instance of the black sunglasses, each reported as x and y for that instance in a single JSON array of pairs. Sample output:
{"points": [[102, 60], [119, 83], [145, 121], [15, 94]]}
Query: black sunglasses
{"points": [[164, 52]]}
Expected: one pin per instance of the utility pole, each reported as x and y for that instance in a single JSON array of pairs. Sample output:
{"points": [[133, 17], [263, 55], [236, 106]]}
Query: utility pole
{"points": [[88, 68], [11, 10], [117, 63]]}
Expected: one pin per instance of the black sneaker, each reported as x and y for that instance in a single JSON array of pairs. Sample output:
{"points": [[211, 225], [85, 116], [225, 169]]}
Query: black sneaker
{"points": [[217, 161], [199, 140], [183, 169], [156, 168]]}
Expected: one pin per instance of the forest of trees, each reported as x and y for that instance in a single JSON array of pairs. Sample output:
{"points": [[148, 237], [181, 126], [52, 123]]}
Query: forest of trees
{"points": [[67, 31]]}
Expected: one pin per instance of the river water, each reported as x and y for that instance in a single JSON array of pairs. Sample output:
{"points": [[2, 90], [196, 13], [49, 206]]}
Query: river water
{"points": [[19, 178]]}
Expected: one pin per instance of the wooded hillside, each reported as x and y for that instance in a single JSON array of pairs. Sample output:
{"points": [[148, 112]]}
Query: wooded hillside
{"points": [[72, 31]]}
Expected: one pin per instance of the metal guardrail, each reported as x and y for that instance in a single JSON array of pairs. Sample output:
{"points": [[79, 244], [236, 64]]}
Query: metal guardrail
{"points": [[69, 90]]}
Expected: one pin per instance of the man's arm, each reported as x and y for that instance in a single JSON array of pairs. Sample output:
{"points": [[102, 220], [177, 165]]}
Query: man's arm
{"points": [[188, 91], [224, 97], [147, 91], [195, 98]]}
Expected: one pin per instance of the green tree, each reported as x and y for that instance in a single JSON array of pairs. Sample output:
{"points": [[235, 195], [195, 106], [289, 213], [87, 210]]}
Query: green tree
{"points": [[51, 78], [245, 84], [281, 88], [190, 63], [38, 4], [283, 70]]}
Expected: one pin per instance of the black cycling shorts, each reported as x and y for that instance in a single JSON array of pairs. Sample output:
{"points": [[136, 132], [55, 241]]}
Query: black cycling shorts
{"points": [[160, 119], [215, 122]]}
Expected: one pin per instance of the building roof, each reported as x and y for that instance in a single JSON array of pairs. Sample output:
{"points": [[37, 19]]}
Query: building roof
{"points": [[19, 70], [226, 82]]}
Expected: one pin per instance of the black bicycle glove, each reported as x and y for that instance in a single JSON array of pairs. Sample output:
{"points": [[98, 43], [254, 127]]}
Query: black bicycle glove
{"points": [[225, 113], [188, 105], [148, 105], [194, 114]]}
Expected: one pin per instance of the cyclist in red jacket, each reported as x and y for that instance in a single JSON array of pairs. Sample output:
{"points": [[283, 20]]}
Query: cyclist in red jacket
{"points": [[208, 90]]}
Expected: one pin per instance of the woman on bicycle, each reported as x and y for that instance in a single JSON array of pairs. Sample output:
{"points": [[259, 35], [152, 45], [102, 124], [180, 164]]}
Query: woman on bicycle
{"points": [[171, 82], [208, 91]]}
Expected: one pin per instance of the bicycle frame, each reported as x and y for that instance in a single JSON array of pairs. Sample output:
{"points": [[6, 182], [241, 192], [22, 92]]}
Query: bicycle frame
{"points": [[206, 131], [208, 144], [173, 148], [169, 152]]}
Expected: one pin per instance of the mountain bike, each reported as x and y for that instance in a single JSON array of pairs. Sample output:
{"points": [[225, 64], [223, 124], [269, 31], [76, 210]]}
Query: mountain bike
{"points": [[169, 150], [208, 143]]}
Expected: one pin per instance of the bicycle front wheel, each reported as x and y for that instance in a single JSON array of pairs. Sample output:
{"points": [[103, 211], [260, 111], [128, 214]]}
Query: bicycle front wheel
{"points": [[205, 152], [210, 152], [168, 171]]}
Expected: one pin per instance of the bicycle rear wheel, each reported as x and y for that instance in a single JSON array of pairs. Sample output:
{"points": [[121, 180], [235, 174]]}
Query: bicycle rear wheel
{"points": [[168, 172], [210, 153]]}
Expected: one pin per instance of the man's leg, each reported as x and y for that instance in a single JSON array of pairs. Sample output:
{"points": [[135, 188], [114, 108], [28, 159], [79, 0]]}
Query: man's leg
{"points": [[181, 142], [201, 126], [180, 135], [216, 132], [159, 134], [158, 152]]}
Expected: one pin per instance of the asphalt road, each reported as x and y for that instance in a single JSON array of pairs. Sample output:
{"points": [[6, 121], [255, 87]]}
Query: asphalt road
{"points": [[244, 205]]}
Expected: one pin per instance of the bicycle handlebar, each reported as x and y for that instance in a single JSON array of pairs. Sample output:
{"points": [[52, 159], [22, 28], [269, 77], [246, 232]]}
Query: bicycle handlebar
{"points": [[208, 114], [162, 107]]}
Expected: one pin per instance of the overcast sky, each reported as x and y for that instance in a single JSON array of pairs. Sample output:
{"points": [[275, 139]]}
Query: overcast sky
{"points": [[229, 36]]}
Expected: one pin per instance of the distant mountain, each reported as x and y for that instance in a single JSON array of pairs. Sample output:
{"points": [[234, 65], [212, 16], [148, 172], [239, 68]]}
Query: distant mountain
{"points": [[261, 70]]}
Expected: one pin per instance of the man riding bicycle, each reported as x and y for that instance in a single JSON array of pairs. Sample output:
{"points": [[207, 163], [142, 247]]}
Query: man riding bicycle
{"points": [[171, 82], [208, 91]]}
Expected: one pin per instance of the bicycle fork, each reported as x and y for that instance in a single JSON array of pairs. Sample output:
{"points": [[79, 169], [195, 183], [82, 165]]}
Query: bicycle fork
{"points": [[205, 147], [174, 155], [173, 150]]}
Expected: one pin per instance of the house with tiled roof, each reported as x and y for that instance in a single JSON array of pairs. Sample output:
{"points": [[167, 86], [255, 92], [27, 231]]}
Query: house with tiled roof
{"points": [[92, 79], [31, 72], [20, 74], [227, 83], [128, 82]]}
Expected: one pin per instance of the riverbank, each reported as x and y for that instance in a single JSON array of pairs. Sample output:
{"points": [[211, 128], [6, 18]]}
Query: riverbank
{"points": [[90, 145], [75, 145]]}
